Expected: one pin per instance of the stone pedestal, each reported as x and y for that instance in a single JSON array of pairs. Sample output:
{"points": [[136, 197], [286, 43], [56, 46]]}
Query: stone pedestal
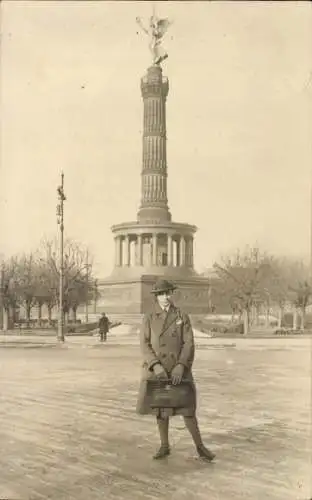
{"points": [[127, 300]]}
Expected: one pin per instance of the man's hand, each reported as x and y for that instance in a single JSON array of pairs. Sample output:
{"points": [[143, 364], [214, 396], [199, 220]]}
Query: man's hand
{"points": [[177, 374], [159, 371]]}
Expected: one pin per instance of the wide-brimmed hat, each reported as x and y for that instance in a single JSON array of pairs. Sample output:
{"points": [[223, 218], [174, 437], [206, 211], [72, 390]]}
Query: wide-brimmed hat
{"points": [[162, 286]]}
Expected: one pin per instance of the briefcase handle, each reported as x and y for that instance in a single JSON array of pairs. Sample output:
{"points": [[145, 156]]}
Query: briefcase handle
{"points": [[163, 381]]}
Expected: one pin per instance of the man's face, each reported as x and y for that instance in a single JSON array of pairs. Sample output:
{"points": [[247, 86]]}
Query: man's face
{"points": [[164, 299]]}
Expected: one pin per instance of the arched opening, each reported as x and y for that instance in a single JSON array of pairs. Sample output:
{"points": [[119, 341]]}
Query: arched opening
{"points": [[162, 250]]}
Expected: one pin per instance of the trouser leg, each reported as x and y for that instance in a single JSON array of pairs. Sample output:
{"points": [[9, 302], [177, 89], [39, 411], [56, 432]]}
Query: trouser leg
{"points": [[192, 426], [163, 428]]}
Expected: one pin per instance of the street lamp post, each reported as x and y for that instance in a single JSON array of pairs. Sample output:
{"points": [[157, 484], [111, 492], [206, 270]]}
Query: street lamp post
{"points": [[60, 221]]}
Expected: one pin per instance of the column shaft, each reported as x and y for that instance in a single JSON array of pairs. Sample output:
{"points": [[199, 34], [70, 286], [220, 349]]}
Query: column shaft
{"points": [[182, 251], [169, 250], [120, 251], [192, 252], [139, 249], [117, 251], [154, 247], [154, 203], [127, 250], [186, 252]]}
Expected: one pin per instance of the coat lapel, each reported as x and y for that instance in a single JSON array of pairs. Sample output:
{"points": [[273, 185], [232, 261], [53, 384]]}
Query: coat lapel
{"points": [[159, 319], [169, 319]]}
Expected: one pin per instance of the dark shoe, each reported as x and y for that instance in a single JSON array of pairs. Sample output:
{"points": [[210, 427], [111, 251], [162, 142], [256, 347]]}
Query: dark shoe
{"points": [[203, 452], [163, 452]]}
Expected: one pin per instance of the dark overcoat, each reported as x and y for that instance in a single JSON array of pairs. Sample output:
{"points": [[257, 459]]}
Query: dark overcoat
{"points": [[166, 338], [103, 324]]}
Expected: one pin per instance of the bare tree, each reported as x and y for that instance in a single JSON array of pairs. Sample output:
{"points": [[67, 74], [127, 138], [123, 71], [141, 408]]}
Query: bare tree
{"points": [[290, 284], [277, 286], [47, 288], [243, 278], [28, 282], [300, 289], [10, 292], [77, 281]]}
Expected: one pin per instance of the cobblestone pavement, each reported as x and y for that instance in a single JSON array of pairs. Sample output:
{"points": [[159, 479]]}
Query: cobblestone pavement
{"points": [[68, 429]]}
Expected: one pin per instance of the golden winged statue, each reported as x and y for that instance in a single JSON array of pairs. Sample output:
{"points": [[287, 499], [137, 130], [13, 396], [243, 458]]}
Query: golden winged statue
{"points": [[156, 30]]}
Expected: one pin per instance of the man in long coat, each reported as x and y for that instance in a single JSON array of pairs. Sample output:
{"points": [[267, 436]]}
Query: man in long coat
{"points": [[103, 327], [167, 345]]}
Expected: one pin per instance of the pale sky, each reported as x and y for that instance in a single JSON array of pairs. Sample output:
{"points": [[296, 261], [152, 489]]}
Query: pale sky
{"points": [[239, 122]]}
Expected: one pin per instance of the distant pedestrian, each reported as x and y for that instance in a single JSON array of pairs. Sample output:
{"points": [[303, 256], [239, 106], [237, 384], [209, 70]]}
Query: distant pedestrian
{"points": [[167, 344], [103, 327]]}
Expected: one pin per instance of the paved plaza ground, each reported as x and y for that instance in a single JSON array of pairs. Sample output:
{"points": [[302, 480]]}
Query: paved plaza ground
{"points": [[68, 428]]}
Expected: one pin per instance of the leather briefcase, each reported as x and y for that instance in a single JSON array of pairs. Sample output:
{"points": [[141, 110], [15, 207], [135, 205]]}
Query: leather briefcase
{"points": [[163, 394]]}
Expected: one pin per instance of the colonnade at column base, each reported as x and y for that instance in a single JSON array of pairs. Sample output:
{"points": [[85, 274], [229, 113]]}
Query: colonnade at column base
{"points": [[152, 244], [145, 251]]}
